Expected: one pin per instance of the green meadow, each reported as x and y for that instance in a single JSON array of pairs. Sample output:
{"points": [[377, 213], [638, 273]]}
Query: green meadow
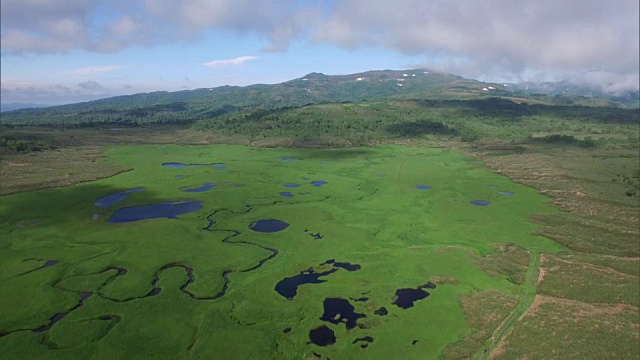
{"points": [[369, 213]]}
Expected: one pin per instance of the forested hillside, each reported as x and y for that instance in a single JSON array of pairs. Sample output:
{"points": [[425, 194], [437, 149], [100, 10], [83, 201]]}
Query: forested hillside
{"points": [[315, 88], [492, 118]]}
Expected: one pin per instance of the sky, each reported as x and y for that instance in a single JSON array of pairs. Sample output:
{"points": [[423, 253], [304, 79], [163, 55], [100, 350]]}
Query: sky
{"points": [[64, 51]]}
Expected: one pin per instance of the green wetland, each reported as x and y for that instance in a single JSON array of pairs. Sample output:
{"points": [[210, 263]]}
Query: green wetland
{"points": [[372, 251]]}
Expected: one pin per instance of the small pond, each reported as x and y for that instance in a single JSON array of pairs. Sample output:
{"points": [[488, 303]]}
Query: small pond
{"points": [[343, 265], [168, 210], [203, 188], [322, 336], [288, 287], [339, 310], [406, 297], [480, 203], [105, 202], [365, 340], [179, 165], [382, 311], [268, 226]]}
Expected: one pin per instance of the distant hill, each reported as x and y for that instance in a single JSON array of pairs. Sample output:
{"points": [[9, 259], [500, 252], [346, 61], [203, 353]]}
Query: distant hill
{"points": [[315, 88], [575, 88], [18, 106]]}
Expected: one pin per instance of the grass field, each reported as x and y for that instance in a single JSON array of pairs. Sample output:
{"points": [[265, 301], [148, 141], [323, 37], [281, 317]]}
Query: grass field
{"points": [[586, 305], [368, 213]]}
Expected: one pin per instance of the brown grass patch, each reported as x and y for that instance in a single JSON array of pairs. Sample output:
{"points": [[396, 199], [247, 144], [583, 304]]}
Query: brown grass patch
{"points": [[483, 318], [438, 280], [573, 329], [509, 261], [542, 271]]}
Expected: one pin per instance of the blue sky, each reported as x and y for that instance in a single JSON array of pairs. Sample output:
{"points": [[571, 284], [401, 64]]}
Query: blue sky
{"points": [[61, 51]]}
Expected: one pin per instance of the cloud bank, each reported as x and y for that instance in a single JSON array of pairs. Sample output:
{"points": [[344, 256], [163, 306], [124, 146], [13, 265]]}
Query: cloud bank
{"points": [[491, 38], [235, 61]]}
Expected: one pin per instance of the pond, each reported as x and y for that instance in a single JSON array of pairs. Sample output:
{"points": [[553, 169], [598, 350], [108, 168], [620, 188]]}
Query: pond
{"points": [[179, 165], [366, 339], [480, 203], [268, 226], [288, 287], [339, 310], [406, 297], [105, 202], [203, 188], [168, 210], [322, 336], [343, 265]]}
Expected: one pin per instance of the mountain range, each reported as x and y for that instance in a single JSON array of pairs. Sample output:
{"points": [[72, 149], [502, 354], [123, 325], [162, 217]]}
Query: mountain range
{"points": [[315, 88]]}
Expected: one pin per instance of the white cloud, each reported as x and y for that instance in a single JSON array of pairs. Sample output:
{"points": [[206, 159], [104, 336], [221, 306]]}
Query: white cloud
{"points": [[504, 37], [235, 61], [95, 69]]}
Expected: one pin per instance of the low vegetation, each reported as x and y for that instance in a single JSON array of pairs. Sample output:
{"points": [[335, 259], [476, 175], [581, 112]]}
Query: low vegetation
{"points": [[567, 279]]}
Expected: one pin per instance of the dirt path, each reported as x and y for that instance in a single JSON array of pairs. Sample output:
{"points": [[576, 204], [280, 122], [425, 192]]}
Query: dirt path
{"points": [[523, 305]]}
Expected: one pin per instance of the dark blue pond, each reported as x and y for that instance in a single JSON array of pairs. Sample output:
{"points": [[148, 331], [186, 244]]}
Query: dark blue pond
{"points": [[174, 165], [286, 194], [179, 165], [167, 210], [343, 265], [508, 193], [205, 187], [220, 167], [287, 159], [268, 226], [339, 310], [318, 183], [322, 336], [362, 299], [382, 311], [288, 287], [109, 200], [291, 186], [366, 339], [406, 297], [480, 203], [423, 187]]}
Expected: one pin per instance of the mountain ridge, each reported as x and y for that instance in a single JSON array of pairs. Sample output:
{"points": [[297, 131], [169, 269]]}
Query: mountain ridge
{"points": [[313, 88]]}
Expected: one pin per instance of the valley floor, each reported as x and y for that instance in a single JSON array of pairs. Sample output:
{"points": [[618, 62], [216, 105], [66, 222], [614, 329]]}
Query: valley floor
{"points": [[567, 282]]}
